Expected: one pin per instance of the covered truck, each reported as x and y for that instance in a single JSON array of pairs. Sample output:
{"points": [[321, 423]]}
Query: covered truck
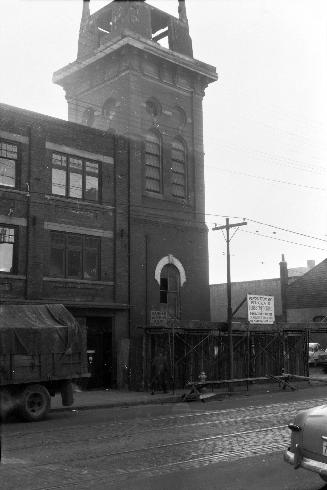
{"points": [[42, 352]]}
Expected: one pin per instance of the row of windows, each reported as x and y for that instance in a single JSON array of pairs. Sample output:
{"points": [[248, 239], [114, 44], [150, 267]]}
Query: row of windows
{"points": [[80, 178], [71, 256], [71, 176], [75, 256], [75, 177], [153, 166]]}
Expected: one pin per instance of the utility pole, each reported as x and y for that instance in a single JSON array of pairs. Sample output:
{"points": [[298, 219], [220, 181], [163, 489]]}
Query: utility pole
{"points": [[227, 227]]}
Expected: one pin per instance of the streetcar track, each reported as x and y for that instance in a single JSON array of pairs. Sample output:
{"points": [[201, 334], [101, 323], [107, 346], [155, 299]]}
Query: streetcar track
{"points": [[142, 430], [152, 470], [243, 432], [282, 407], [167, 445], [110, 436]]}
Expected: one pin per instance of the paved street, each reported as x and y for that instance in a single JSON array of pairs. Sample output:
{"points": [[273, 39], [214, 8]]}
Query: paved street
{"points": [[224, 445]]}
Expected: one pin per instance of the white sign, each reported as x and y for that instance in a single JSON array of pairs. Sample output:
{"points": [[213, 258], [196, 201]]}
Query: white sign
{"points": [[261, 308], [158, 318]]}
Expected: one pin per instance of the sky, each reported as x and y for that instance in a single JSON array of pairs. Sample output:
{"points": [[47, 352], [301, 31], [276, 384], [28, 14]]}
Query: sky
{"points": [[265, 119]]}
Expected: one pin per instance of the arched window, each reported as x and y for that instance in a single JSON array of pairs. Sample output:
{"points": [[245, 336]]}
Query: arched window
{"points": [[170, 290], [153, 170], [178, 169]]}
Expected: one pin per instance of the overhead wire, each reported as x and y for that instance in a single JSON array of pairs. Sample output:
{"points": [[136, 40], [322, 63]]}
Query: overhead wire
{"points": [[52, 202], [283, 240]]}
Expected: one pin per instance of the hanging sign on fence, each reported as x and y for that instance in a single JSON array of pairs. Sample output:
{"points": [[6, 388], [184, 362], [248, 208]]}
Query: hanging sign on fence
{"points": [[158, 318], [261, 308]]}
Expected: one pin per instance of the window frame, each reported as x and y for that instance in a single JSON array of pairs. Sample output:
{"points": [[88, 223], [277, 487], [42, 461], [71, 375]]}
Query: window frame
{"points": [[15, 248], [17, 163], [168, 291], [178, 141], [149, 138], [68, 172], [83, 248]]}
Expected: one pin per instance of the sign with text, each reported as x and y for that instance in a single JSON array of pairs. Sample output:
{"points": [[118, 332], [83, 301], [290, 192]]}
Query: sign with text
{"points": [[158, 318], [260, 308]]}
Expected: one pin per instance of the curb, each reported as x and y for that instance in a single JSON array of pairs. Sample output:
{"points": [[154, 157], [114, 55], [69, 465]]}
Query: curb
{"points": [[175, 399], [117, 404]]}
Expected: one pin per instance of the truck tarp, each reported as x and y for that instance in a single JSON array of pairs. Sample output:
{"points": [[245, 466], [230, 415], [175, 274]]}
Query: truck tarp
{"points": [[34, 329]]}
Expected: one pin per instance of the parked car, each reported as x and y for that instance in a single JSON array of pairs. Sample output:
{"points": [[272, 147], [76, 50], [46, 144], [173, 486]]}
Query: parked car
{"points": [[308, 447], [317, 355]]}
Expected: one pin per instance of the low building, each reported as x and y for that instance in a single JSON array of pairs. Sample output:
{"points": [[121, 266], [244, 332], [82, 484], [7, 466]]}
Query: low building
{"points": [[307, 296], [267, 287]]}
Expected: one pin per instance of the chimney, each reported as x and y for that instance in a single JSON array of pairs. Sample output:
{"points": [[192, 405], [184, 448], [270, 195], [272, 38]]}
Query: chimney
{"points": [[283, 286], [310, 264]]}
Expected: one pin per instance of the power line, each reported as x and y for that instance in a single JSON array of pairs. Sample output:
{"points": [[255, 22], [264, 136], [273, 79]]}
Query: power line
{"points": [[52, 200], [288, 231], [275, 181], [283, 240]]}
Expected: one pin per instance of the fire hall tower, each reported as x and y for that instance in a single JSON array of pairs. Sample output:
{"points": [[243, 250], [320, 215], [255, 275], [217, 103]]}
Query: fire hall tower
{"points": [[135, 75]]}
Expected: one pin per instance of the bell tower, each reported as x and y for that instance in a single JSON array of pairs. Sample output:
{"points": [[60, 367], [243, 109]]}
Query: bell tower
{"points": [[135, 75]]}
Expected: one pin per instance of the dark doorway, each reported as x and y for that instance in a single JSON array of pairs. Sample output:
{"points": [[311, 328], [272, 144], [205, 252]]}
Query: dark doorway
{"points": [[99, 346]]}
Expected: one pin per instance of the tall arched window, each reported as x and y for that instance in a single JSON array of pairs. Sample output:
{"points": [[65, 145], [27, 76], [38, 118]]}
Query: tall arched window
{"points": [[170, 290], [178, 169], [153, 171]]}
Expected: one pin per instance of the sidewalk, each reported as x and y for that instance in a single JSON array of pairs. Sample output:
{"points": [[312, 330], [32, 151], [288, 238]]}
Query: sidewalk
{"points": [[108, 398], [92, 399]]}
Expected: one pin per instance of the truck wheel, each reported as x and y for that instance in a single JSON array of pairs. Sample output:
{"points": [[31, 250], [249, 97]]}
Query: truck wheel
{"points": [[34, 403], [6, 403]]}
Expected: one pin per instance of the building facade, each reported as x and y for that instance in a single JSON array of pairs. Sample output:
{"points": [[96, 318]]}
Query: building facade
{"points": [[135, 74], [105, 213], [61, 240], [307, 296]]}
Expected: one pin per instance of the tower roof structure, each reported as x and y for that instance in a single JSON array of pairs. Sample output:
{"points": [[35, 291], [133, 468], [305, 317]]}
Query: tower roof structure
{"points": [[141, 26]]}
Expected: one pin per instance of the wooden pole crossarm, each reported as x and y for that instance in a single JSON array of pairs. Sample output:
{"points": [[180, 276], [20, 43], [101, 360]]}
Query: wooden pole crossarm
{"points": [[233, 225]]}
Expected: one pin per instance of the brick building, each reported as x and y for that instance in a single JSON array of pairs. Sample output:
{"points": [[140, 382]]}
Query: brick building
{"points": [[60, 237], [135, 109], [135, 73], [307, 296]]}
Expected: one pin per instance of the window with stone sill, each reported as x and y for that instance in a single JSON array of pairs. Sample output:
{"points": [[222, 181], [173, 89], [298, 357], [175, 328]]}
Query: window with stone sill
{"points": [[153, 166], [8, 163], [8, 244], [74, 256], [75, 177], [178, 169]]}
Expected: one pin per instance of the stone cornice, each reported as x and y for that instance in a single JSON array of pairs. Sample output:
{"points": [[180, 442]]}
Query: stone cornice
{"points": [[146, 46]]}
